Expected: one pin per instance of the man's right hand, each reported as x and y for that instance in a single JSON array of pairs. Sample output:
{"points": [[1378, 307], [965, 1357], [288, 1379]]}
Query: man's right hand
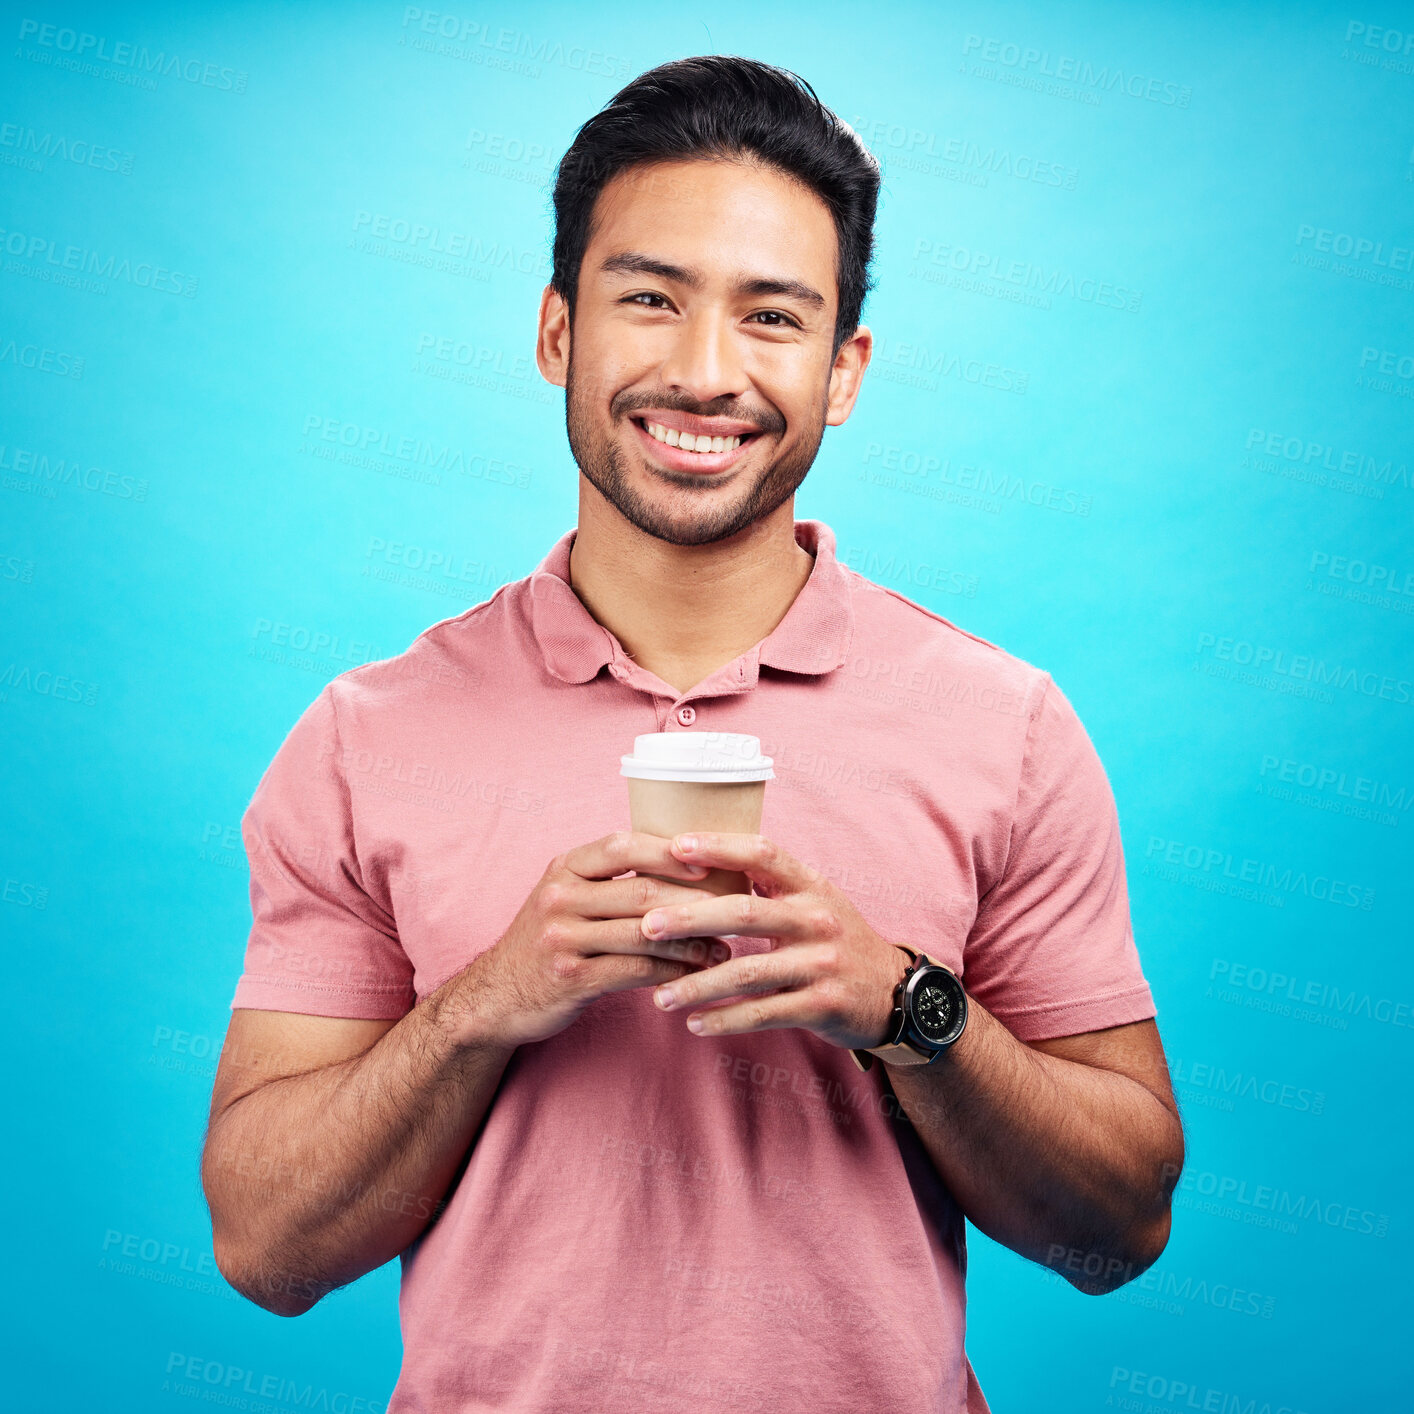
{"points": [[577, 937]]}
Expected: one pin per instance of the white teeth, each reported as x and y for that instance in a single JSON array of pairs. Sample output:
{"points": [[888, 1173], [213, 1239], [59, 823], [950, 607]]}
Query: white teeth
{"points": [[688, 442]]}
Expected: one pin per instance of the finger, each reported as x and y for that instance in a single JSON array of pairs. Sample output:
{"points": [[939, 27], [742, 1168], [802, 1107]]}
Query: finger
{"points": [[621, 935], [618, 974], [747, 915], [630, 897], [625, 850], [789, 969], [761, 1014], [760, 859]]}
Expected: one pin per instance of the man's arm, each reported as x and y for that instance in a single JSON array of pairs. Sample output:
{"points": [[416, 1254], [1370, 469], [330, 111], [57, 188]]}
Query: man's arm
{"points": [[331, 1142], [1067, 1150]]}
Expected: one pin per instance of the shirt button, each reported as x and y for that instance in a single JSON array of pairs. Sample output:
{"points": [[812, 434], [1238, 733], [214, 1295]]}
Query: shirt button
{"points": [[687, 715]]}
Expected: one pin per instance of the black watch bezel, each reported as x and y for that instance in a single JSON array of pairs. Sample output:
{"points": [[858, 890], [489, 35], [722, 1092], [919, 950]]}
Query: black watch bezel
{"points": [[911, 1032]]}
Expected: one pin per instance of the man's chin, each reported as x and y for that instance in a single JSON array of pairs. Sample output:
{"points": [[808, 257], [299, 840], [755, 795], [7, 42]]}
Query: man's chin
{"points": [[695, 483], [699, 518], [687, 527]]}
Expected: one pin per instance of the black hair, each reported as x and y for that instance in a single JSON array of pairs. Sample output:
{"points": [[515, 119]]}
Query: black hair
{"points": [[724, 107]]}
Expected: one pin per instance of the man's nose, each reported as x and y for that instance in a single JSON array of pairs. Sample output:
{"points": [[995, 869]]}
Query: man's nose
{"points": [[705, 360]]}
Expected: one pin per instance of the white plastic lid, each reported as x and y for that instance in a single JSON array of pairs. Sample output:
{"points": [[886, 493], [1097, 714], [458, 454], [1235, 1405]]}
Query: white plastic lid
{"points": [[697, 756]]}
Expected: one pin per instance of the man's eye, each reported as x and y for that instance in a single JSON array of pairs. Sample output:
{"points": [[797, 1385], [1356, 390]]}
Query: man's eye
{"points": [[777, 319], [644, 295]]}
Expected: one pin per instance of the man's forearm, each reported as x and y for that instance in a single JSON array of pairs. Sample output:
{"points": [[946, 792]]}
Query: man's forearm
{"points": [[317, 1178], [1047, 1156]]}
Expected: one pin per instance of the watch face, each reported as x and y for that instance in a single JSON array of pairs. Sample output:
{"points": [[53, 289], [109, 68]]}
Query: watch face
{"points": [[937, 1008]]}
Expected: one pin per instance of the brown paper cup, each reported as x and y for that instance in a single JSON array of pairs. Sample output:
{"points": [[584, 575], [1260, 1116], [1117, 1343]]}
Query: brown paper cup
{"points": [[669, 808]]}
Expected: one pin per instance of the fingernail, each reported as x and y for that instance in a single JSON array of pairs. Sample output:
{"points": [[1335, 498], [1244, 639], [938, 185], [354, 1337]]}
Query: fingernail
{"points": [[653, 922], [664, 997], [694, 1023], [721, 952], [687, 842]]}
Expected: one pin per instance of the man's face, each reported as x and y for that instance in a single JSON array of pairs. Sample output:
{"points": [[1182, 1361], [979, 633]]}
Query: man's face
{"points": [[705, 309]]}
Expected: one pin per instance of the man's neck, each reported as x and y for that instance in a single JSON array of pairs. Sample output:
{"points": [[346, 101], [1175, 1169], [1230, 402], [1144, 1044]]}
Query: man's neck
{"points": [[683, 611]]}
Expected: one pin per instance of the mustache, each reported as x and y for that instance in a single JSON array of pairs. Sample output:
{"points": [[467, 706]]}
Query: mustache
{"points": [[765, 419]]}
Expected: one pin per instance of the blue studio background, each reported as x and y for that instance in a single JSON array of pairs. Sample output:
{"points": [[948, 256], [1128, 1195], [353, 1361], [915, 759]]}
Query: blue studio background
{"points": [[1140, 412]]}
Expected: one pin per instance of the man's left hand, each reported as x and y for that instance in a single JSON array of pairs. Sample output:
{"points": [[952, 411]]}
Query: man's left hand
{"points": [[827, 970]]}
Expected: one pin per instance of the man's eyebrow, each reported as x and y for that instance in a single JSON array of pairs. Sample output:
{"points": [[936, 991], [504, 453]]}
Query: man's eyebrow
{"points": [[790, 289], [632, 262]]}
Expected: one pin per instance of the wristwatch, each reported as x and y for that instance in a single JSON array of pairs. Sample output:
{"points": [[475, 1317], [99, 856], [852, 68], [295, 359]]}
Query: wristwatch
{"points": [[930, 1012]]}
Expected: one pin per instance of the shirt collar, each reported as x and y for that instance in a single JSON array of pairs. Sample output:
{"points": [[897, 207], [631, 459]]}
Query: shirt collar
{"points": [[813, 637]]}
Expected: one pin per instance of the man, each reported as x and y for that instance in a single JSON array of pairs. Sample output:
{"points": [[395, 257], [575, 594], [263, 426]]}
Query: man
{"points": [[447, 1044]]}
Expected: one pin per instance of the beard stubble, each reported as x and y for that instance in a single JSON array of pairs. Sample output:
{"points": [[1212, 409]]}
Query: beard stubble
{"points": [[697, 515]]}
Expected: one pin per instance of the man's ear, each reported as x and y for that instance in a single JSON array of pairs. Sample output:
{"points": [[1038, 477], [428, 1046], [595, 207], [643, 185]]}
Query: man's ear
{"points": [[847, 375], [552, 343]]}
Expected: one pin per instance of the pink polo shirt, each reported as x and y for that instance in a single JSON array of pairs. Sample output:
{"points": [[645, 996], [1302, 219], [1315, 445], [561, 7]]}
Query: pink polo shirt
{"points": [[650, 1220]]}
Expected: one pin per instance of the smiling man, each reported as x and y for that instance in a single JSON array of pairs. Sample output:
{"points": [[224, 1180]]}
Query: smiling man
{"points": [[626, 1165]]}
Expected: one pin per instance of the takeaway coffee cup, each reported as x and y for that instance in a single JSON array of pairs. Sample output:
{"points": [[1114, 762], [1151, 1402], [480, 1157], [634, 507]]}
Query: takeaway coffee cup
{"points": [[680, 781]]}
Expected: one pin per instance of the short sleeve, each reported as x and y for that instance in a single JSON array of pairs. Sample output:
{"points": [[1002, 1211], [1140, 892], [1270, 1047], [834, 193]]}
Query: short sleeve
{"points": [[319, 943], [1051, 952]]}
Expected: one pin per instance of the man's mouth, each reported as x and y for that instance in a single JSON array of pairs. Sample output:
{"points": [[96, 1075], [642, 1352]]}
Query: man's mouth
{"points": [[688, 442], [703, 449]]}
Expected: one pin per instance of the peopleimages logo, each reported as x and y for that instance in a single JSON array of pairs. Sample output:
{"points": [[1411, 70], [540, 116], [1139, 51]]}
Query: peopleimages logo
{"points": [[418, 459], [914, 147], [1279, 1204], [896, 570], [1040, 63], [92, 49], [1186, 1394], [919, 366], [1350, 246], [41, 360], [1384, 578], [1391, 41], [1310, 456], [30, 146], [1338, 782], [49, 256], [1025, 274], [1260, 872], [968, 476], [1396, 365], [43, 683], [1207, 1076], [44, 474], [456, 245], [457, 30], [217, 1382], [1304, 668], [1284, 990]]}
